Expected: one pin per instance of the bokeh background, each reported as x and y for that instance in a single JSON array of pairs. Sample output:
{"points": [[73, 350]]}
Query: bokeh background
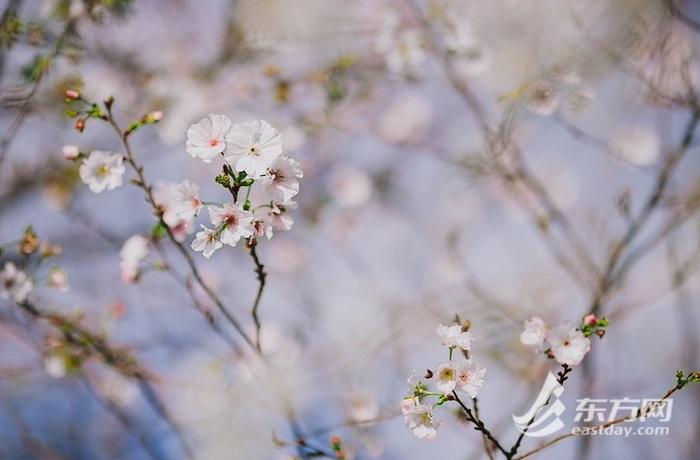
{"points": [[406, 217]]}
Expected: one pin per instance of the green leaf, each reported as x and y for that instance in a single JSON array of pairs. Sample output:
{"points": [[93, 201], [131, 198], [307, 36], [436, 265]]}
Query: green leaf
{"points": [[159, 230]]}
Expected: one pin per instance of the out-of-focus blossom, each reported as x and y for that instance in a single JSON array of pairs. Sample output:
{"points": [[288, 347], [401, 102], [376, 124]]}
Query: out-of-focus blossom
{"points": [[207, 138], [281, 180], [58, 279], [167, 197], [186, 201], [470, 377], [286, 256], [542, 98], [70, 152], [535, 332], [352, 188], [363, 407], [407, 119], [15, 284], [233, 221], [55, 365], [409, 404], [422, 422], [578, 99], [454, 337], [467, 54], [134, 250], [403, 48], [637, 146], [102, 171], [568, 344], [252, 147], [207, 241]]}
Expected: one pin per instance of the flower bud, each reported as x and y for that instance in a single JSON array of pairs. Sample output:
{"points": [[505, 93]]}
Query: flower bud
{"points": [[72, 94], [29, 242], [590, 320], [70, 152], [80, 124]]}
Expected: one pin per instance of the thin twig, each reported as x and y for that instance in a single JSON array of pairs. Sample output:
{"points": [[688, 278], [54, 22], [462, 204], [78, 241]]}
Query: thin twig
{"points": [[262, 276], [479, 425]]}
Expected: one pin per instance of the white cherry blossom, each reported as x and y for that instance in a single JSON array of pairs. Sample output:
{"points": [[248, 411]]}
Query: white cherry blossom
{"points": [[206, 241], [281, 180], [58, 279], [568, 344], [134, 250], [454, 337], [186, 201], [422, 422], [446, 377], [15, 284], [207, 138], [252, 147], [236, 222], [535, 332], [470, 377], [102, 171]]}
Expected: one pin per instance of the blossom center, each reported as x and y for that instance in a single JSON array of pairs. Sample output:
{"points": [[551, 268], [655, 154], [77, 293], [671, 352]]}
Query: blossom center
{"points": [[103, 170], [255, 150], [214, 142]]}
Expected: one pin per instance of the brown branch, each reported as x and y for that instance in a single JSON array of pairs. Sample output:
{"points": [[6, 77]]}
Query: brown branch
{"points": [[262, 276], [479, 424]]}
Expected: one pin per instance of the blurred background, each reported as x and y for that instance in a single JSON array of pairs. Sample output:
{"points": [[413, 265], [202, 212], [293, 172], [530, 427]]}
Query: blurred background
{"points": [[492, 160]]}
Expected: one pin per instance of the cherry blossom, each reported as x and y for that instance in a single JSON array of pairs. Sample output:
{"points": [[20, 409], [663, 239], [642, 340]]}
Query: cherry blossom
{"points": [[252, 147], [281, 179], [568, 344], [134, 250], [206, 241], [454, 336], [535, 332], [446, 376], [102, 171], [470, 377], [207, 138], [422, 422], [186, 200], [15, 284], [234, 222]]}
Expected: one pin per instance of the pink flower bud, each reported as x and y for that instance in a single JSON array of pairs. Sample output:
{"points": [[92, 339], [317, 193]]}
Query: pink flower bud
{"points": [[72, 94], [70, 152], [590, 320], [157, 115], [80, 124]]}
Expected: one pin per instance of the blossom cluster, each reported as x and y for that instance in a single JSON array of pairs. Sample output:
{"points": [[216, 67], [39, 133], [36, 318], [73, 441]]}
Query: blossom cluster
{"points": [[252, 153], [17, 282], [565, 343], [451, 376], [563, 90]]}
